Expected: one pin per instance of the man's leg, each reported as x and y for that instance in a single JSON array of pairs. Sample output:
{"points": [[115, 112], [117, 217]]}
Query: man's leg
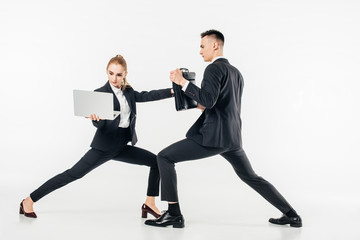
{"points": [[184, 150], [238, 159]]}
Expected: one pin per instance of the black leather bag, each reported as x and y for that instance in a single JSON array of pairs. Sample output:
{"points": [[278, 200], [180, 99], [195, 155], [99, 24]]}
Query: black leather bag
{"points": [[183, 102]]}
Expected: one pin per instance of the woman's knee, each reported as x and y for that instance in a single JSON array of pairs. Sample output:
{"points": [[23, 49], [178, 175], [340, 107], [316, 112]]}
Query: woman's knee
{"points": [[73, 175], [153, 164]]}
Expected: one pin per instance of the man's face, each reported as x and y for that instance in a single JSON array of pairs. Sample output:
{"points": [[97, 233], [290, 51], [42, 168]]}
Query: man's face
{"points": [[207, 49]]}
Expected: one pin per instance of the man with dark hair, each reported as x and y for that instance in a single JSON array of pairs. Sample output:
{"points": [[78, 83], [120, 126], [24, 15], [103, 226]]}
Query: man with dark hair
{"points": [[215, 34], [217, 131]]}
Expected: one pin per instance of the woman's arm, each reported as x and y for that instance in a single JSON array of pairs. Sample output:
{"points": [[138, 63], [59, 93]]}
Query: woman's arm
{"points": [[153, 95], [96, 121], [98, 124]]}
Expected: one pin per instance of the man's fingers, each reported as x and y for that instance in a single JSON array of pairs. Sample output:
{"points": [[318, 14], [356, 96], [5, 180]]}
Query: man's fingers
{"points": [[176, 71]]}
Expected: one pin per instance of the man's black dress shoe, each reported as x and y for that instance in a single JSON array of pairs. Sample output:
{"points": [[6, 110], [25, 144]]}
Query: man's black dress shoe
{"points": [[293, 221], [166, 220]]}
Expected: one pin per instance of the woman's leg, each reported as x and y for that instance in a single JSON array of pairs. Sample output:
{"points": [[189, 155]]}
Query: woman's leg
{"points": [[139, 156], [92, 159]]}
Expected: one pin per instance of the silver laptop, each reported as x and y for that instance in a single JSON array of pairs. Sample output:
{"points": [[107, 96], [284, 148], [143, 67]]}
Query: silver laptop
{"points": [[98, 103]]}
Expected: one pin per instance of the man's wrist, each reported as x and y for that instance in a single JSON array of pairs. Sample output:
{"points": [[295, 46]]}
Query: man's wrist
{"points": [[185, 86], [183, 82]]}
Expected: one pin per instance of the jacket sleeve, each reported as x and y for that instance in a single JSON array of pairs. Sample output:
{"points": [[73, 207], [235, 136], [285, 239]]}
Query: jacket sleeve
{"points": [[209, 92], [98, 124], [153, 95]]}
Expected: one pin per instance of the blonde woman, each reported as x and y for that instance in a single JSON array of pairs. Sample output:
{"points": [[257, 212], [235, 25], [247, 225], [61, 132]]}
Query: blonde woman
{"points": [[110, 141]]}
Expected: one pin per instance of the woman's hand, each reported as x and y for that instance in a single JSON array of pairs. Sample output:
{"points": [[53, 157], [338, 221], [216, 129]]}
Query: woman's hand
{"points": [[201, 107], [172, 92], [93, 117]]}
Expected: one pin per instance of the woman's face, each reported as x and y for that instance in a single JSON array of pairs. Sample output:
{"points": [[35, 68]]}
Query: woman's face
{"points": [[116, 74]]}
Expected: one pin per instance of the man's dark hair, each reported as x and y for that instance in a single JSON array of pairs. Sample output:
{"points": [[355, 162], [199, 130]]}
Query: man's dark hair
{"points": [[214, 33]]}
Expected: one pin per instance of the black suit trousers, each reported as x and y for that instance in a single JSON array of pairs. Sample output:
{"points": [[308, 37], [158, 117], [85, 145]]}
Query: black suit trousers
{"points": [[94, 158], [186, 150]]}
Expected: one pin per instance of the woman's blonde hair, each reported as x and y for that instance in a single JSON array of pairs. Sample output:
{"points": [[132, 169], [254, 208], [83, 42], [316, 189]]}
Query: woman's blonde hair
{"points": [[118, 59]]}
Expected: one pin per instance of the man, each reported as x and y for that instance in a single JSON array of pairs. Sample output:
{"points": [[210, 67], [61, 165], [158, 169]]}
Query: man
{"points": [[217, 131]]}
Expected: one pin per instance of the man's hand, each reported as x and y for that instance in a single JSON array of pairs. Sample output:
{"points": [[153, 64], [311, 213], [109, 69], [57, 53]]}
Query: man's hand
{"points": [[201, 107], [177, 77]]}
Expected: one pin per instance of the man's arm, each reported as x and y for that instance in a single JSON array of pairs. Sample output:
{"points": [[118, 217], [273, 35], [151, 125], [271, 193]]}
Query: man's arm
{"points": [[209, 92]]}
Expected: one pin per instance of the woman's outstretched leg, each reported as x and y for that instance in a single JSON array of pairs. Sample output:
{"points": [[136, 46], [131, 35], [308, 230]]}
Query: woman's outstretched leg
{"points": [[92, 159]]}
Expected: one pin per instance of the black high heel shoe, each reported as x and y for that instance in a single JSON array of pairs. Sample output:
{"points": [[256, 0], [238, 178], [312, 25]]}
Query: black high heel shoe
{"points": [[22, 211]]}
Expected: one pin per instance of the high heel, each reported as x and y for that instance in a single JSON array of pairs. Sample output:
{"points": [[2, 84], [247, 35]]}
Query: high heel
{"points": [[143, 213], [22, 211], [145, 209]]}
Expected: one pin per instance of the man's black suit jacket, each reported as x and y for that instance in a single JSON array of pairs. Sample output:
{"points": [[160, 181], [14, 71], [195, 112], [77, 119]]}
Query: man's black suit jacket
{"points": [[106, 136], [221, 89]]}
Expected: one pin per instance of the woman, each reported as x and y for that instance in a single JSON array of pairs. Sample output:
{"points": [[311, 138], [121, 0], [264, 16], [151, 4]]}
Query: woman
{"points": [[110, 140]]}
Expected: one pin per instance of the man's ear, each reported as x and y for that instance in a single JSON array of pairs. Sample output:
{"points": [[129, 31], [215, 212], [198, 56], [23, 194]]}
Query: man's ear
{"points": [[215, 45]]}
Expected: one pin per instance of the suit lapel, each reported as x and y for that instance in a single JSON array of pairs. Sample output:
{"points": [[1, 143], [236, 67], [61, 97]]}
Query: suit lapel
{"points": [[116, 101], [129, 99]]}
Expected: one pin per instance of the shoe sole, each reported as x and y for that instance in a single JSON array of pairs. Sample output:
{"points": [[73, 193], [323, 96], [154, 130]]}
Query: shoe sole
{"points": [[296, 225], [174, 225]]}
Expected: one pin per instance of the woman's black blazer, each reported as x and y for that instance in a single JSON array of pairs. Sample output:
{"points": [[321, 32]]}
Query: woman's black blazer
{"points": [[106, 136]]}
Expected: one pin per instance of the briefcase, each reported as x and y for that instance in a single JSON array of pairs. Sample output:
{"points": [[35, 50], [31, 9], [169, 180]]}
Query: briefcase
{"points": [[183, 102]]}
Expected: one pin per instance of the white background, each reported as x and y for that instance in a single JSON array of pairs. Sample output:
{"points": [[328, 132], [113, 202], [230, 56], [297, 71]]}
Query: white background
{"points": [[300, 107]]}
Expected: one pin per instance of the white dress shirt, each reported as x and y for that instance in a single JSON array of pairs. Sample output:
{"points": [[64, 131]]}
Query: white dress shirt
{"points": [[124, 107], [187, 82]]}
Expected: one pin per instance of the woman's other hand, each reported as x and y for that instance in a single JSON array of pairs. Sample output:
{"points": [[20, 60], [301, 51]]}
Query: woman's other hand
{"points": [[93, 117], [201, 107]]}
